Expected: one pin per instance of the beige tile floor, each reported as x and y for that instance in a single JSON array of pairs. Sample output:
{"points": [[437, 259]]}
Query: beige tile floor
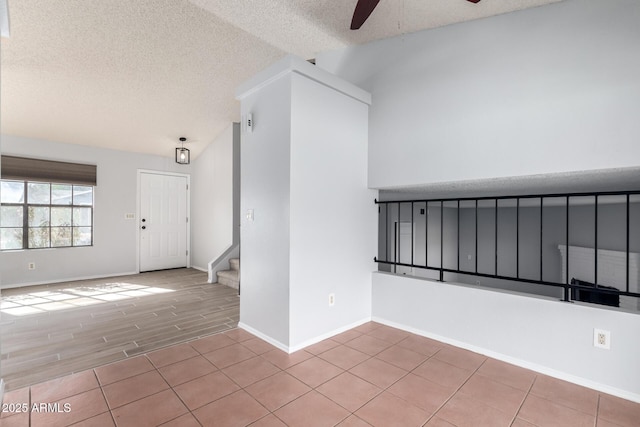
{"points": [[370, 375]]}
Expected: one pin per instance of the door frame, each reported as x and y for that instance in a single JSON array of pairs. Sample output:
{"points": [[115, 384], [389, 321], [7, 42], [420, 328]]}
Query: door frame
{"points": [[138, 201]]}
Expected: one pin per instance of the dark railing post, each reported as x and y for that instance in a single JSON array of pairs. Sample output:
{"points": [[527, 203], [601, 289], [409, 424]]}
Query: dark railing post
{"points": [[395, 246], [518, 238], [496, 238], [566, 279], [627, 249], [541, 234], [426, 233], [386, 231], [476, 253], [441, 240], [458, 234], [397, 241], [595, 244], [412, 207]]}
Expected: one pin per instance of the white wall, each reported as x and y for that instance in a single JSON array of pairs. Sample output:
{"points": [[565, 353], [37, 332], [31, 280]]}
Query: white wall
{"points": [[212, 193], [546, 335], [543, 90], [114, 248], [264, 242], [304, 175], [332, 211]]}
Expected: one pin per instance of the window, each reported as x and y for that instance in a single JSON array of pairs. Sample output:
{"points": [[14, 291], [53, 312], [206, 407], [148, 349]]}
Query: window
{"points": [[45, 215]]}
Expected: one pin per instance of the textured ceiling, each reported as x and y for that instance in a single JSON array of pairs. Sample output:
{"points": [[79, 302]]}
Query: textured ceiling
{"points": [[136, 75]]}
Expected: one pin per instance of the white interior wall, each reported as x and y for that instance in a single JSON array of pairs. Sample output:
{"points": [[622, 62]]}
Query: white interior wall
{"points": [[264, 241], [304, 159], [202, 242], [236, 183], [543, 90], [212, 192], [542, 334], [332, 212], [114, 248]]}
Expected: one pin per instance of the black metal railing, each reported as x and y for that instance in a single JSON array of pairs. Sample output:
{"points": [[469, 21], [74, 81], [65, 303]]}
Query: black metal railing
{"points": [[395, 219]]}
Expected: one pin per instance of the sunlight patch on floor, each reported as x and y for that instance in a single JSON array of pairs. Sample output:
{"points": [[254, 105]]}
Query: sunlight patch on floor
{"points": [[82, 296]]}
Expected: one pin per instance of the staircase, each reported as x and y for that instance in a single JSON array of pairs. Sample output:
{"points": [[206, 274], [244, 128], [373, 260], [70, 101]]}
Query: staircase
{"points": [[230, 277]]}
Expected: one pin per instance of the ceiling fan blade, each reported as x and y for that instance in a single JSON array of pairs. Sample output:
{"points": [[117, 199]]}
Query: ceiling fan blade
{"points": [[364, 8], [362, 12]]}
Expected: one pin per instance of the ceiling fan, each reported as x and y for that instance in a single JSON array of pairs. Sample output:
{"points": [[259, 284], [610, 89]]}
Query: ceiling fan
{"points": [[364, 8]]}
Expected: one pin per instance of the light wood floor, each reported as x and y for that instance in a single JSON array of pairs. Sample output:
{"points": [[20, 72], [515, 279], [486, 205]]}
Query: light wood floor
{"points": [[55, 330]]}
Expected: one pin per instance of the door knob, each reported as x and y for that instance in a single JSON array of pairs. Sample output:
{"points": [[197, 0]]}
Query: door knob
{"points": [[144, 220], [144, 227]]}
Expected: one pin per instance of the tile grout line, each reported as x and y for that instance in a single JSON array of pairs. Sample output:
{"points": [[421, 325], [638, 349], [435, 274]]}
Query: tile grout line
{"points": [[458, 389], [104, 396], [515, 417], [382, 389], [241, 388], [559, 403], [218, 370], [110, 410], [311, 388], [189, 411], [279, 369]]}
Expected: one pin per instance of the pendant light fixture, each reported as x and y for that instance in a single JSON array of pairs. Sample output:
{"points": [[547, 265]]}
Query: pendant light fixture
{"points": [[183, 155]]}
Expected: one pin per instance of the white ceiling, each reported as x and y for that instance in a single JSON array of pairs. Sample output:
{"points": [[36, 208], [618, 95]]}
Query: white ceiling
{"points": [[601, 180], [136, 75]]}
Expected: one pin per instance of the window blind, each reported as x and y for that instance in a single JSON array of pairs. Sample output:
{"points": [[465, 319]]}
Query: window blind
{"points": [[26, 169]]}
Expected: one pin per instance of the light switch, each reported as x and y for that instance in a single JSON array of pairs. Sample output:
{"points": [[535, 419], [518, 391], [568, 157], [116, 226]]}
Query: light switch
{"points": [[250, 214]]}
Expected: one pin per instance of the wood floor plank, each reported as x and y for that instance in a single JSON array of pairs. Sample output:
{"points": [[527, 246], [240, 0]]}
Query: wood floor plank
{"points": [[114, 318]]}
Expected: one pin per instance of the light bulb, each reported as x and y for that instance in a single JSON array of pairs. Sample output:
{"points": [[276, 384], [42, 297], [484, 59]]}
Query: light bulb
{"points": [[182, 156]]}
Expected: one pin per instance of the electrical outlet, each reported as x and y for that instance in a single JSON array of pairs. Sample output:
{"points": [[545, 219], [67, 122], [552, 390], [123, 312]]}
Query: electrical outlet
{"points": [[31, 266], [332, 300], [602, 339]]}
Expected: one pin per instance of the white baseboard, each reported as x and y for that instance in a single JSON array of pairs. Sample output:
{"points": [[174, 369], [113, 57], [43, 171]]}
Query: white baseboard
{"points": [[330, 334], [518, 362], [307, 343], [75, 279], [264, 337], [69, 279], [1, 391]]}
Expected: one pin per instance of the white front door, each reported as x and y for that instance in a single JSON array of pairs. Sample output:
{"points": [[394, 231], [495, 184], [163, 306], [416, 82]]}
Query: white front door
{"points": [[163, 221]]}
